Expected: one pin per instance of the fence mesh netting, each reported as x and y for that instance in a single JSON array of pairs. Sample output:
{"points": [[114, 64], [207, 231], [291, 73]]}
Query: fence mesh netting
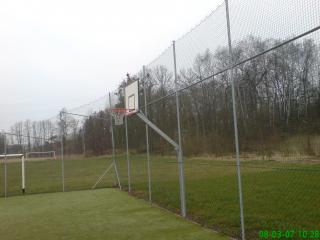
{"points": [[275, 67]]}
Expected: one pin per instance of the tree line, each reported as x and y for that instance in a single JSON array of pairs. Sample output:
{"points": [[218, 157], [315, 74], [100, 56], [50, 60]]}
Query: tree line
{"points": [[277, 97]]}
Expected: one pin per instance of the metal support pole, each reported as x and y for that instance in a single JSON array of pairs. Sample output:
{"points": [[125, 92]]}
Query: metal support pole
{"points": [[128, 157], [5, 165], [113, 150], [102, 175], [83, 141], [62, 149], [147, 132], [180, 154], [235, 123], [158, 130]]}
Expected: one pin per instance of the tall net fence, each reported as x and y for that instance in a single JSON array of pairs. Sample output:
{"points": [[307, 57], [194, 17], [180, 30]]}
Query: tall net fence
{"points": [[250, 67], [274, 67], [70, 151], [87, 140]]}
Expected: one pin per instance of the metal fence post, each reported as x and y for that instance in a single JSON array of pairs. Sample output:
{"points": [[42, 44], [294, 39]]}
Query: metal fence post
{"points": [[5, 165], [235, 123], [83, 140], [147, 132], [128, 157], [113, 147], [180, 154], [62, 148]]}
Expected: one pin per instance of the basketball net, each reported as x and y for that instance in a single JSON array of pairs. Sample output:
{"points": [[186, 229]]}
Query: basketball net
{"points": [[118, 115]]}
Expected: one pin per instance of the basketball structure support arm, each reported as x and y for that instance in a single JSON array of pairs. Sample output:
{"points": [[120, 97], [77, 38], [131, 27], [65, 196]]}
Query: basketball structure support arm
{"points": [[158, 130], [179, 157]]}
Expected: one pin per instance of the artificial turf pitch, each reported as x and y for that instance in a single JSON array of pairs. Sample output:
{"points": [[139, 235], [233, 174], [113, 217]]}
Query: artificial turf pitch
{"points": [[92, 214]]}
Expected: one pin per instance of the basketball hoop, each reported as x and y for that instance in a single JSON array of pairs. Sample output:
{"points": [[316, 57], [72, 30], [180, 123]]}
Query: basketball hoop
{"points": [[118, 114]]}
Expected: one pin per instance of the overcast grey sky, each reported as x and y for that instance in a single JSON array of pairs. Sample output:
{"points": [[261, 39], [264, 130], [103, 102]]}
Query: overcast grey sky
{"points": [[65, 53]]}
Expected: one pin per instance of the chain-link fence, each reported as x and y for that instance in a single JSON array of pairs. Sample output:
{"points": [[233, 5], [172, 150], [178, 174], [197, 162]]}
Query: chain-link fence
{"points": [[248, 80]]}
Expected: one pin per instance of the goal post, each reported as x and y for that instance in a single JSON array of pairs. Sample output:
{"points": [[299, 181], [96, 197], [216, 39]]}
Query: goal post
{"points": [[23, 175]]}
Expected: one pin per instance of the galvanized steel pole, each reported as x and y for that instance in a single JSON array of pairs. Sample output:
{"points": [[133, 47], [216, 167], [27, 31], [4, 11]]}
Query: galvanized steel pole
{"points": [[235, 123], [179, 151], [128, 157], [5, 165], [147, 132], [83, 141], [113, 147], [62, 148]]}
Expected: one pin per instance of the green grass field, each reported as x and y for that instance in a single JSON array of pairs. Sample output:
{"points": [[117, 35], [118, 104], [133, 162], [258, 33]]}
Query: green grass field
{"points": [[277, 195], [92, 214]]}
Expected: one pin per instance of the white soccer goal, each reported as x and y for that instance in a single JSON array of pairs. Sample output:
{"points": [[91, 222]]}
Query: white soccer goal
{"points": [[5, 157], [42, 155]]}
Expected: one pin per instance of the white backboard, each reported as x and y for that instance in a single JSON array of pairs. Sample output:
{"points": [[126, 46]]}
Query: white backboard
{"points": [[132, 97]]}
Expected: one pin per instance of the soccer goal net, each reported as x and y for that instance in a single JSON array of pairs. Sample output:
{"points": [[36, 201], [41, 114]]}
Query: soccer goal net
{"points": [[41, 155]]}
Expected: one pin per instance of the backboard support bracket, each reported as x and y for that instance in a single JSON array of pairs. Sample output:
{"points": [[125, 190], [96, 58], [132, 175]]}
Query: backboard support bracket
{"points": [[158, 130]]}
